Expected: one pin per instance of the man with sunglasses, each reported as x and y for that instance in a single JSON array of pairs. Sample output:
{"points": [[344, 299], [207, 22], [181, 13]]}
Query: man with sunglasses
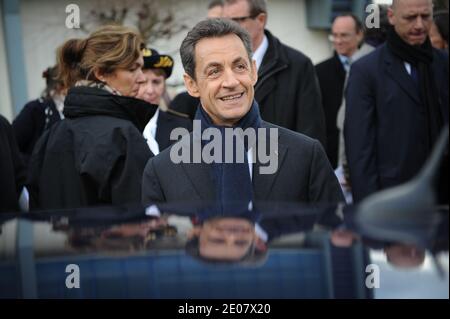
{"points": [[287, 89]]}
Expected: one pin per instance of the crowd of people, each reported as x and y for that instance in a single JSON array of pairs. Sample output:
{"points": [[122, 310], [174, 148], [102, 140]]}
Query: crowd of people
{"points": [[362, 121]]}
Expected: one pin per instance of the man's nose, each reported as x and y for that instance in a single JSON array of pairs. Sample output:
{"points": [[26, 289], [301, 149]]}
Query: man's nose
{"points": [[419, 23], [230, 80]]}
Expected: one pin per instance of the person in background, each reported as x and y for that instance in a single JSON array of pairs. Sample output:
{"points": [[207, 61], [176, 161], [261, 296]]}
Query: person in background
{"points": [[346, 36], [97, 154], [439, 30], [215, 9], [39, 115], [396, 103], [157, 68]]}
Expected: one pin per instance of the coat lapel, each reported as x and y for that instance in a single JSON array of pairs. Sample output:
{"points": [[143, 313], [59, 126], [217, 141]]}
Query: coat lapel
{"points": [[263, 183], [199, 174], [396, 69]]}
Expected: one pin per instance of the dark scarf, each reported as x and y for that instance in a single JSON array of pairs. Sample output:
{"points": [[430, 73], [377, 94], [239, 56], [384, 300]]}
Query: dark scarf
{"points": [[232, 180], [421, 58]]}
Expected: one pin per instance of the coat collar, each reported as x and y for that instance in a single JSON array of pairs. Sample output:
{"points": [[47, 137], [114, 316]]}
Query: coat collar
{"points": [[83, 101], [397, 71]]}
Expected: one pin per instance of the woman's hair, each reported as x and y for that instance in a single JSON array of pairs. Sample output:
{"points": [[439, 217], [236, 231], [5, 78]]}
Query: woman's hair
{"points": [[53, 83], [109, 48], [441, 21]]}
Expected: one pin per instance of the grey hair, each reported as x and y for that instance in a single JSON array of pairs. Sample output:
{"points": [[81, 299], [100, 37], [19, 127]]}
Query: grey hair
{"points": [[210, 28], [255, 6]]}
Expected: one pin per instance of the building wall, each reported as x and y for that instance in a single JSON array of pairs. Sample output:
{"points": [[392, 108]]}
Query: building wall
{"points": [[44, 30], [5, 96]]}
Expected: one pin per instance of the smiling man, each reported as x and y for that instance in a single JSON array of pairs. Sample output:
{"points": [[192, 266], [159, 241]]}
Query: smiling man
{"points": [[217, 59], [397, 102]]}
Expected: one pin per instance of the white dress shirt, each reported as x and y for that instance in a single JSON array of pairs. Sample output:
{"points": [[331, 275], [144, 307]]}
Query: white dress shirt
{"points": [[259, 53], [150, 133]]}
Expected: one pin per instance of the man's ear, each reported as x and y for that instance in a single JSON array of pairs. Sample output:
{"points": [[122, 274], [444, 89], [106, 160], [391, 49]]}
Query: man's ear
{"points": [[391, 16], [262, 19], [191, 85]]}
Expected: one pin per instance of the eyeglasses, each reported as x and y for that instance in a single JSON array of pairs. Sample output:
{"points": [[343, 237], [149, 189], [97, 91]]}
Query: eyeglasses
{"points": [[343, 37], [242, 19]]}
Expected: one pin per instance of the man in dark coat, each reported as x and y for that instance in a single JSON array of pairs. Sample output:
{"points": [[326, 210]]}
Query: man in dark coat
{"points": [[287, 89], [346, 36], [12, 170], [216, 56], [397, 103]]}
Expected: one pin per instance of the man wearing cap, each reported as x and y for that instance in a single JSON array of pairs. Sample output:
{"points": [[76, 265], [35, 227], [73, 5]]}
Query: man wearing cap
{"points": [[157, 68]]}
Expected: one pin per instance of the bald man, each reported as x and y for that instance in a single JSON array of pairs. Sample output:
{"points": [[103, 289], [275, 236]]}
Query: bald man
{"points": [[397, 102]]}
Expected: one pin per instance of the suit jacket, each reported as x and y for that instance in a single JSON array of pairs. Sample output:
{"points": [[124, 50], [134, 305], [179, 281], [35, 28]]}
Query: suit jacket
{"points": [[288, 92], [385, 121], [331, 75], [168, 121], [304, 175]]}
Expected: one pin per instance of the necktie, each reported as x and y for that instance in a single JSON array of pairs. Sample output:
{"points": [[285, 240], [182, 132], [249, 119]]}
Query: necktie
{"points": [[346, 64], [415, 75]]}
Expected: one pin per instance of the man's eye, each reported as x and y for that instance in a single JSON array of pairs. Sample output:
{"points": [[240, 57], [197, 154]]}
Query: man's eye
{"points": [[213, 72], [217, 241]]}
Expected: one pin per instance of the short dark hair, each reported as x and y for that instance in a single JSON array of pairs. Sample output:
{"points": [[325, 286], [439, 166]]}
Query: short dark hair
{"points": [[210, 28], [441, 21], [255, 6], [358, 24], [215, 3]]}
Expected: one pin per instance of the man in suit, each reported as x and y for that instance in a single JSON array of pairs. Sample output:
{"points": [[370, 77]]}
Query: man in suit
{"points": [[346, 36], [397, 102], [284, 74], [217, 59]]}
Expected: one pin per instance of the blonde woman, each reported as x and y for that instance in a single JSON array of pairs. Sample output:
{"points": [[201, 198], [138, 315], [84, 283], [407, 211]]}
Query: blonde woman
{"points": [[97, 154]]}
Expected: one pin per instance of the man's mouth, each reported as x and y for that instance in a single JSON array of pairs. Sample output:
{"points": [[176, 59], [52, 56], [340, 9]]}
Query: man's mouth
{"points": [[232, 97]]}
